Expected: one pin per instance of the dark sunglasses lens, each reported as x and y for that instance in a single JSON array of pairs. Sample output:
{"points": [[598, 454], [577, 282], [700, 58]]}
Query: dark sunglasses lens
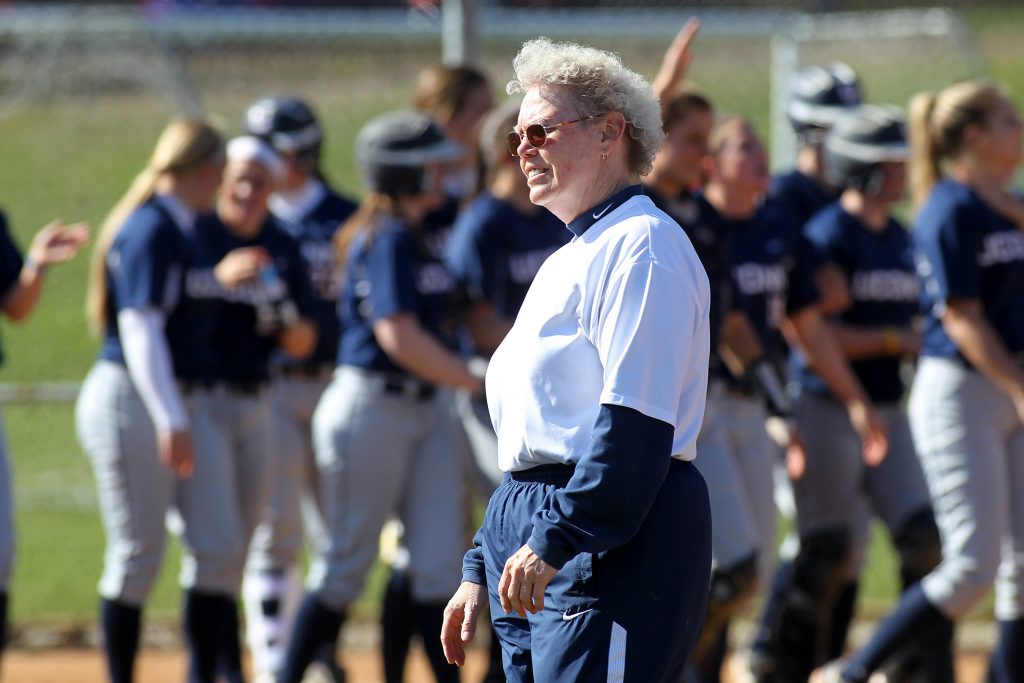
{"points": [[513, 143], [536, 135]]}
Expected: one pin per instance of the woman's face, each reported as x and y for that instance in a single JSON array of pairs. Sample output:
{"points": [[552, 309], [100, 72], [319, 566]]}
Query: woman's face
{"points": [[685, 146], [893, 183], [464, 126], [998, 143], [209, 178], [741, 163], [243, 199], [563, 172]]}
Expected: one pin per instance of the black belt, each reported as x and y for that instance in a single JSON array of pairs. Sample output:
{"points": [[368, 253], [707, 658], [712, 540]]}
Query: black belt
{"points": [[318, 371], [249, 387], [409, 387]]}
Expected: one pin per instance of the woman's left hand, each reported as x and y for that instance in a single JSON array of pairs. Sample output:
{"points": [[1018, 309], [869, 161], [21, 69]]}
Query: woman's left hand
{"points": [[523, 581], [57, 243]]}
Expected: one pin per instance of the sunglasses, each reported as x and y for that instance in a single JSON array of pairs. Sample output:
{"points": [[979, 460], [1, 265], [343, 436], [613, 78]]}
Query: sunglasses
{"points": [[537, 135]]}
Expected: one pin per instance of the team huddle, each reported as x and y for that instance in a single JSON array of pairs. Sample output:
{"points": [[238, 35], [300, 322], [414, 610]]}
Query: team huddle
{"points": [[703, 348]]}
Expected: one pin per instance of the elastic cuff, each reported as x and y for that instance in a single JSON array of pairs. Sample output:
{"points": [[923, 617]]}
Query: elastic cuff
{"points": [[473, 567], [552, 555]]}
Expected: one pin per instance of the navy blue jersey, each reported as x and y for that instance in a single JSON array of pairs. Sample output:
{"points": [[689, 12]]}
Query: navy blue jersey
{"points": [[10, 263], [314, 233], [243, 343], [154, 264], [800, 196], [495, 251], [965, 250], [879, 267], [769, 267], [390, 270], [700, 223], [438, 225]]}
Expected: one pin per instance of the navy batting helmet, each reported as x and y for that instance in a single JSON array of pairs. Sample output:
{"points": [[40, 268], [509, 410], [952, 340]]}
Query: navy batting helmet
{"points": [[818, 95], [394, 149], [860, 142], [287, 123]]}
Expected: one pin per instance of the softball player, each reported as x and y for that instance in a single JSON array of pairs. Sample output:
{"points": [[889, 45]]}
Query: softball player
{"points": [[21, 285], [137, 409], [966, 405], [311, 213], [267, 304], [383, 437], [865, 272], [818, 96], [771, 288]]}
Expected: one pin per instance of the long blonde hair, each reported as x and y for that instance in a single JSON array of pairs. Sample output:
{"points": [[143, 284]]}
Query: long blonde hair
{"points": [[937, 126], [184, 145]]}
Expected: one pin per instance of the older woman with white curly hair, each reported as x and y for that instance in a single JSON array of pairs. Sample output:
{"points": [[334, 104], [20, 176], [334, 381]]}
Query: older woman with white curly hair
{"points": [[595, 549]]}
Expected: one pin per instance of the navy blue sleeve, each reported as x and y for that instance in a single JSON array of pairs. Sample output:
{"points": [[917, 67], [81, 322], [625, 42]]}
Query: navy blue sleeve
{"points": [[473, 254], [824, 235], [10, 259], [299, 285], [391, 271], [801, 290], [143, 265], [951, 252], [473, 569], [608, 497]]}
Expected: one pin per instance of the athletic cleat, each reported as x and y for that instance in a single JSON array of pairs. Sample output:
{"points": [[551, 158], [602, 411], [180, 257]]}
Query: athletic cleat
{"points": [[830, 673], [324, 672], [738, 668]]}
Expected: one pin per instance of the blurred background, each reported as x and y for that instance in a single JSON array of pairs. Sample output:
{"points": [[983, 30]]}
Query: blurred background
{"points": [[85, 89]]}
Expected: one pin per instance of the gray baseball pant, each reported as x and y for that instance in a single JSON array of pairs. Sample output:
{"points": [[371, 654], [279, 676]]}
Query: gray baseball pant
{"points": [[382, 453], [736, 456], [971, 444], [838, 491], [222, 502], [135, 490]]}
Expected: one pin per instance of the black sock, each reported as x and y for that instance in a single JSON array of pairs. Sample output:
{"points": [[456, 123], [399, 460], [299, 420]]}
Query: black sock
{"points": [[121, 626], [914, 620], [230, 657], [842, 617], [428, 618], [396, 624], [316, 629], [202, 623], [1008, 659]]}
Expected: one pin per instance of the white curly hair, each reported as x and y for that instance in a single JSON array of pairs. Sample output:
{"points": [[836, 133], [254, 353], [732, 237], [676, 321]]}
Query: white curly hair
{"points": [[601, 84]]}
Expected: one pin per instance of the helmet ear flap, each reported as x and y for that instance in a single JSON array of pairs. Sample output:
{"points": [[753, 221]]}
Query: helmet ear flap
{"points": [[875, 181]]}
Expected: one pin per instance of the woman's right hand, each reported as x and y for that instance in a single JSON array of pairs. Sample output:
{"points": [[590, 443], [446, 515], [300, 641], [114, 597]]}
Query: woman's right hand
{"points": [[460, 618], [240, 265], [871, 429], [177, 453]]}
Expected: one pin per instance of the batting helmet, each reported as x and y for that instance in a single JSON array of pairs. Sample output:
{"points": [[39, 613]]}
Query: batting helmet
{"points": [[860, 142], [818, 95], [287, 123], [394, 149]]}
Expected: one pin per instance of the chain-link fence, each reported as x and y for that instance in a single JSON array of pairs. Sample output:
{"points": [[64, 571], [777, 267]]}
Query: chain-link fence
{"points": [[84, 91]]}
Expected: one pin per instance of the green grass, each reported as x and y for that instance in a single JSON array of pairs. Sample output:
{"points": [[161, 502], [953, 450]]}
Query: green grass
{"points": [[73, 157]]}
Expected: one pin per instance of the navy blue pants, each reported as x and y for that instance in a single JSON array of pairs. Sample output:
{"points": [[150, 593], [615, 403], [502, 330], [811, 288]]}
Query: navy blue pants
{"points": [[629, 614]]}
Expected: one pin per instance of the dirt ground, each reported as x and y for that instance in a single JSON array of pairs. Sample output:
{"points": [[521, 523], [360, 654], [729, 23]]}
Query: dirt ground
{"points": [[86, 666]]}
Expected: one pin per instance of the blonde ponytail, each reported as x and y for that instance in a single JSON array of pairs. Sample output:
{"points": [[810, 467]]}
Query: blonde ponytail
{"points": [[924, 166], [184, 145]]}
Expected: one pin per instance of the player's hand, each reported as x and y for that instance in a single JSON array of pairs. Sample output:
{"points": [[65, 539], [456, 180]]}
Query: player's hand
{"points": [[796, 455], [57, 243], [523, 581], [459, 624], [873, 435], [240, 265], [676, 62], [177, 453]]}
